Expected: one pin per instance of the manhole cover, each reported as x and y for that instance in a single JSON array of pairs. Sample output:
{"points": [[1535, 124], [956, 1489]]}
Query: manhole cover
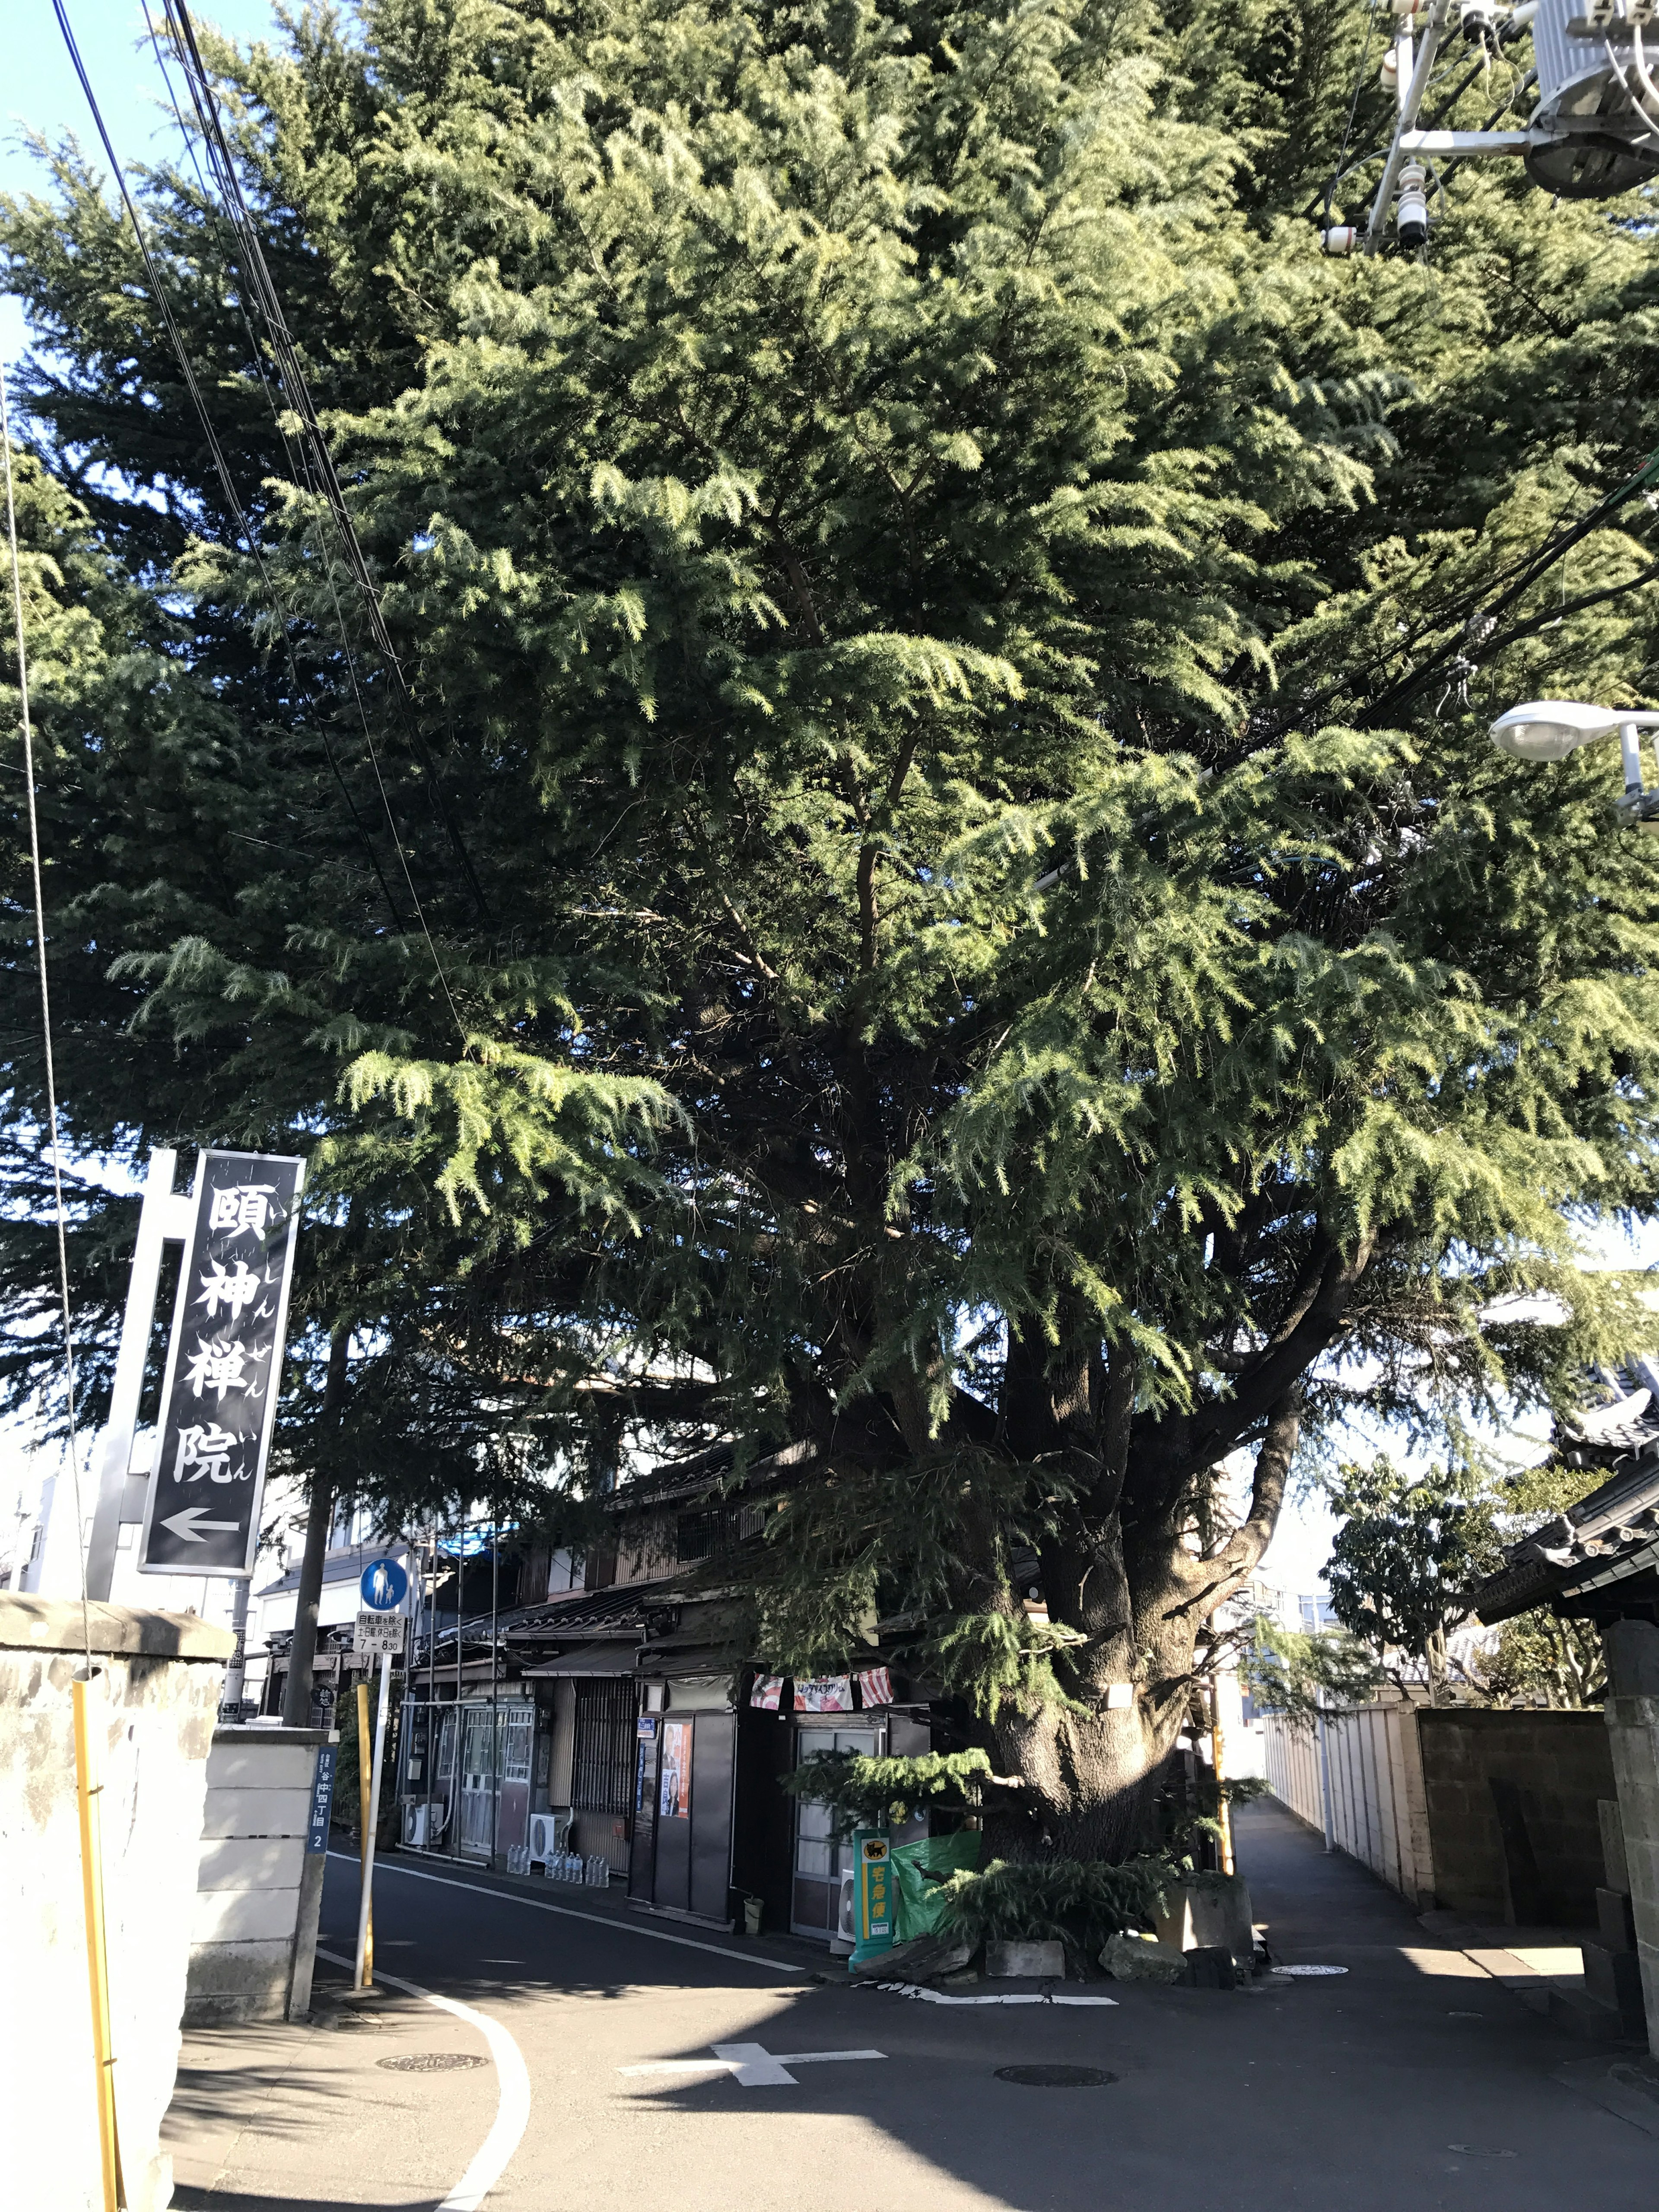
{"points": [[1309, 1973], [430, 2062], [1055, 2077]]}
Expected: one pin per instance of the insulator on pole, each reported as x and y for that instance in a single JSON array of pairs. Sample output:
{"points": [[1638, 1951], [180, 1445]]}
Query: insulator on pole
{"points": [[1341, 239], [1411, 213]]}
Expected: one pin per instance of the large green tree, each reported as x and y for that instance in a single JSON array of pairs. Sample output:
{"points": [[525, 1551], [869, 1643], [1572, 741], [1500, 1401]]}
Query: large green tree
{"points": [[1003, 961]]}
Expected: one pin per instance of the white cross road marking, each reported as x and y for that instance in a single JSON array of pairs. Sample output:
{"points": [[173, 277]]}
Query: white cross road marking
{"points": [[753, 2064]]}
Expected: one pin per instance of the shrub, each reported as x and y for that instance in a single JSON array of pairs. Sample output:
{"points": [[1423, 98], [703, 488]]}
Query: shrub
{"points": [[1080, 1902]]}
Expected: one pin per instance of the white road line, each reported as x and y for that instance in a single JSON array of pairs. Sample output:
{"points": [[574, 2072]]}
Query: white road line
{"points": [[565, 1912], [938, 1996], [754, 2065], [512, 2087]]}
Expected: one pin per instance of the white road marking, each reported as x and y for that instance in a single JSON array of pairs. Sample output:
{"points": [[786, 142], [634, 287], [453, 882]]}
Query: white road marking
{"points": [[754, 2065], [937, 1996], [512, 2092], [596, 1919]]}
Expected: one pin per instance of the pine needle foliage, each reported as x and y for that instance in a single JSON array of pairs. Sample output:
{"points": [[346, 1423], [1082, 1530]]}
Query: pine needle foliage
{"points": [[906, 561], [863, 1789], [1078, 1903]]}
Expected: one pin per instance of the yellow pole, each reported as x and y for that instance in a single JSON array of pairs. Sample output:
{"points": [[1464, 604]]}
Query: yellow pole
{"points": [[364, 1755], [1224, 1816], [88, 1791]]}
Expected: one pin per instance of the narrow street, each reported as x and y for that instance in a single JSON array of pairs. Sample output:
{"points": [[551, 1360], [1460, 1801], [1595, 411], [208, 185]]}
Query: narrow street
{"points": [[1408, 2083]]}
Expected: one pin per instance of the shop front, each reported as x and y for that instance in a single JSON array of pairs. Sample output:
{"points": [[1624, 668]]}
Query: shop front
{"points": [[685, 1765]]}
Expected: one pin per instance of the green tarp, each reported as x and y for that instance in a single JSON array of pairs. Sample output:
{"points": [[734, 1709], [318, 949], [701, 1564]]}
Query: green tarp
{"points": [[921, 1870]]}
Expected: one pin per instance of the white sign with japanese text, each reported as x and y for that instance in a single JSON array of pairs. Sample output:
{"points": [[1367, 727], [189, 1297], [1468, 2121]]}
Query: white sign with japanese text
{"points": [[376, 1633]]}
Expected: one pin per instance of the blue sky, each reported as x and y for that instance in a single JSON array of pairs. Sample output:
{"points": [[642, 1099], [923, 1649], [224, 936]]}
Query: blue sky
{"points": [[42, 93]]}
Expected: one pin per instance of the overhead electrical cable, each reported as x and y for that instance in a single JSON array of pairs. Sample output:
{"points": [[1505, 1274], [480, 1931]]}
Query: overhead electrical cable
{"points": [[46, 1022], [239, 515], [297, 390], [221, 465]]}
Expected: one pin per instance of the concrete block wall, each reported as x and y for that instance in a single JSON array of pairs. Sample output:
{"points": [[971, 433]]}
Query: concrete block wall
{"points": [[254, 1932], [159, 1678], [1529, 1849], [1632, 1720]]}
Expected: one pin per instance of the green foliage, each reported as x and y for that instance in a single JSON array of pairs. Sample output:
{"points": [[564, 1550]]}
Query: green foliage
{"points": [[874, 1791], [1295, 1672], [1538, 1656], [1077, 1901], [996, 1659], [1410, 1549], [1407, 1557], [906, 560]]}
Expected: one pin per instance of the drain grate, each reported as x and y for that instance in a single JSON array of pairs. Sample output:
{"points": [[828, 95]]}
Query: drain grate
{"points": [[430, 2062], [1055, 2077]]}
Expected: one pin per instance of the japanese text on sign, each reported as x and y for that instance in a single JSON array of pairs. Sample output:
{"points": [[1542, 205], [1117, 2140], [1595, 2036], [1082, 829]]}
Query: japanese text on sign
{"points": [[223, 1367]]}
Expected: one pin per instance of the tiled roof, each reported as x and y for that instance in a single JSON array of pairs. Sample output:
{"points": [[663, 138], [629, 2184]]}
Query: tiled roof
{"points": [[695, 1476], [1607, 1537], [614, 1611]]}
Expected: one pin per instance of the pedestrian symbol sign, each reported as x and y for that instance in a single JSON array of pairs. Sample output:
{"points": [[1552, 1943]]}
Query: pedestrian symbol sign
{"points": [[384, 1585]]}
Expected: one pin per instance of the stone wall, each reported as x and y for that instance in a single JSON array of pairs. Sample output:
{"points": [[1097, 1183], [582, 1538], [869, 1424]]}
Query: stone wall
{"points": [[259, 1887], [1511, 1804], [1633, 1648], [158, 1679]]}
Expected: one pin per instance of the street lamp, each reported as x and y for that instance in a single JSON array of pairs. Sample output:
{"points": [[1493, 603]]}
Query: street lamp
{"points": [[1550, 729]]}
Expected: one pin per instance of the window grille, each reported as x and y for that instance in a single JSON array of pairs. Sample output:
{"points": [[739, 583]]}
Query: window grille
{"points": [[601, 1767]]}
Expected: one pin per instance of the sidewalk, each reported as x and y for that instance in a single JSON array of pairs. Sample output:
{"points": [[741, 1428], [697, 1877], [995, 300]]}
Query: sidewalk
{"points": [[1315, 1906], [320, 2116]]}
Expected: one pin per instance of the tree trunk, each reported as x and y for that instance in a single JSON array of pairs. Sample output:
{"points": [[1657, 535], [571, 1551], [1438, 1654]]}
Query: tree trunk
{"points": [[303, 1653], [1138, 1594], [320, 1517]]}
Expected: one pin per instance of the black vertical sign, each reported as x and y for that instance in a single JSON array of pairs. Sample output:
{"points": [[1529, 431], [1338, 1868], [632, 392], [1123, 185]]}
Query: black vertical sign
{"points": [[224, 1366]]}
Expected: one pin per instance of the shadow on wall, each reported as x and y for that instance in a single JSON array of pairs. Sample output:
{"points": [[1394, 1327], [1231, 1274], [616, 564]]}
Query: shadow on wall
{"points": [[1512, 1801]]}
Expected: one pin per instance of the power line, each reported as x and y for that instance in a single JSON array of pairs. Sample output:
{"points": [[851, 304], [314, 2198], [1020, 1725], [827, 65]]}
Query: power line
{"points": [[242, 523], [222, 467], [46, 1018], [297, 392]]}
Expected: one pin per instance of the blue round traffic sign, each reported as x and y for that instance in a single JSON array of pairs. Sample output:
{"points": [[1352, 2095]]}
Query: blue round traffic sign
{"points": [[384, 1586]]}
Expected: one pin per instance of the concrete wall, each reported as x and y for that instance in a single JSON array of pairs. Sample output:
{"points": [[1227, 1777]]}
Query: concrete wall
{"points": [[1512, 1799], [1633, 1648], [253, 1937], [1377, 1808], [1489, 1813], [158, 1680]]}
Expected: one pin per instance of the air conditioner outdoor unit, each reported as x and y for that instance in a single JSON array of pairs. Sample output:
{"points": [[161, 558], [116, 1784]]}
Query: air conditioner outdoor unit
{"points": [[549, 1836], [417, 1819]]}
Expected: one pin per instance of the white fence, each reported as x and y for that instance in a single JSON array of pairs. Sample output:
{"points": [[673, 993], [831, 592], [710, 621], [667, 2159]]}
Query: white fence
{"points": [[1357, 1777]]}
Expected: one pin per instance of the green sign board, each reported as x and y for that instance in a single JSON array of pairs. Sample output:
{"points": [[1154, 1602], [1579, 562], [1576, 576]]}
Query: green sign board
{"points": [[875, 1899]]}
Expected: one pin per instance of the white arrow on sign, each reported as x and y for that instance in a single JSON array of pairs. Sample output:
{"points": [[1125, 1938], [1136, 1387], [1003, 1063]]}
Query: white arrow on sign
{"points": [[754, 2065], [188, 1526]]}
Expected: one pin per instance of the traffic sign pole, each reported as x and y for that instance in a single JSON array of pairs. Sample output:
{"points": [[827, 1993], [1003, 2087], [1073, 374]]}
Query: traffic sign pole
{"points": [[367, 1978], [364, 1907]]}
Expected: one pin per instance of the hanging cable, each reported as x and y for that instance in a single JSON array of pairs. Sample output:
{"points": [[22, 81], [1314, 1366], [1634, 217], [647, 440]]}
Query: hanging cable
{"points": [[221, 465], [1353, 109], [243, 525], [296, 390], [45, 1019]]}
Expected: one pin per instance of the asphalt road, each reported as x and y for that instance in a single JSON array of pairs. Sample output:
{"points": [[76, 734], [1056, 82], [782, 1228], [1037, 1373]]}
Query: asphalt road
{"points": [[1407, 2084]]}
